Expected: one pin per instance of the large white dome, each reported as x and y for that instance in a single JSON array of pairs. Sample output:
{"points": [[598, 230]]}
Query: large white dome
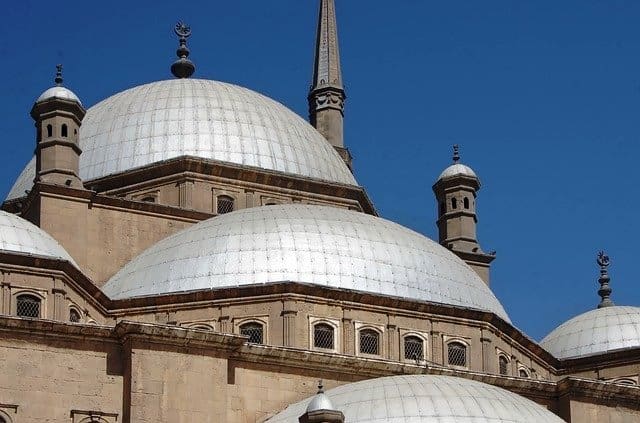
{"points": [[202, 118], [426, 399], [20, 236], [303, 243], [595, 332]]}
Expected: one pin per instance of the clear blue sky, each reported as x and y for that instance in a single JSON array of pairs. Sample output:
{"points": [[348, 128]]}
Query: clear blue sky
{"points": [[542, 96]]}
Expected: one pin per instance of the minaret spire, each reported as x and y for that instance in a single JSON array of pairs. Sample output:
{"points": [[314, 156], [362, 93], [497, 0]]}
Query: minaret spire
{"points": [[327, 95], [605, 290], [183, 67]]}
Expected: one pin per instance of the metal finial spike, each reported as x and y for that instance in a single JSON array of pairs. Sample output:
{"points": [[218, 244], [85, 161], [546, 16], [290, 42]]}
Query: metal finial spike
{"points": [[58, 79], [456, 153], [320, 387], [605, 290], [183, 67]]}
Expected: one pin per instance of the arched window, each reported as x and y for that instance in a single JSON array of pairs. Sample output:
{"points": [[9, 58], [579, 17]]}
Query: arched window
{"points": [[369, 342], [49, 130], [523, 373], [466, 203], [65, 130], [149, 199], [74, 316], [28, 306], [225, 204], [625, 381], [413, 348], [323, 335], [454, 203], [255, 332], [457, 354], [503, 365]]}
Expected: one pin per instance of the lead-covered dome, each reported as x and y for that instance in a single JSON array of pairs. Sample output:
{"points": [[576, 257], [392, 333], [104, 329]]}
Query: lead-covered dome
{"points": [[201, 118], [20, 236], [595, 332], [309, 244], [426, 399]]}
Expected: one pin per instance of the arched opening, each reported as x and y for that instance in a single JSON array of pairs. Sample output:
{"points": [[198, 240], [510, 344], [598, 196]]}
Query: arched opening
{"points": [[457, 354], [28, 306], [74, 316], [149, 199], [466, 203], [503, 365], [65, 130], [225, 204], [413, 348], [443, 208], [255, 332], [523, 373], [454, 203], [323, 336], [369, 342], [49, 130]]}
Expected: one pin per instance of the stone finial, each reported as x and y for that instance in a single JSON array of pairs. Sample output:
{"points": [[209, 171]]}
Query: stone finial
{"points": [[456, 153], [183, 67], [320, 387], [605, 290], [58, 80]]}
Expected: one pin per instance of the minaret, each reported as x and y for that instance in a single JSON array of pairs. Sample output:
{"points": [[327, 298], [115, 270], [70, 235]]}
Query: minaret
{"points": [[320, 410], [456, 190], [327, 95], [605, 290], [58, 114]]}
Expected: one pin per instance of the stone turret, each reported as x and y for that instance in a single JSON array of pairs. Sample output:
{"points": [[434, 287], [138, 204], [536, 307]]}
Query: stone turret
{"points": [[58, 114], [456, 191], [327, 95], [320, 410]]}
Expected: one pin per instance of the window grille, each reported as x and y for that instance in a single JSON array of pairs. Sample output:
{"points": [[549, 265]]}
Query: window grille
{"points": [[369, 342], [225, 204], [523, 373], [28, 306], [74, 316], [504, 365], [413, 348], [457, 354], [323, 336], [254, 331]]}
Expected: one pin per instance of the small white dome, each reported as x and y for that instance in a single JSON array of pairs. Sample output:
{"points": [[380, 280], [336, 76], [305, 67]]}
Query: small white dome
{"points": [[200, 118], [309, 244], [320, 402], [457, 169], [595, 332], [426, 399], [59, 92], [20, 236]]}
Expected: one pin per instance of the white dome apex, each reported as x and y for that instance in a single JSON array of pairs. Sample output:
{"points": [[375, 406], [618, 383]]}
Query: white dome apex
{"points": [[426, 399], [59, 92], [202, 118], [595, 332], [308, 244], [457, 169], [20, 236]]}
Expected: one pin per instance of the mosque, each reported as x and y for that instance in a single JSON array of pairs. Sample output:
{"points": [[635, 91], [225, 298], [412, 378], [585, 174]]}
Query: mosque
{"points": [[192, 251]]}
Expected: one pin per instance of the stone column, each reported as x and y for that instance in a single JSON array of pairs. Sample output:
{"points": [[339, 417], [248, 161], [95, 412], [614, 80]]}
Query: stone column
{"points": [[249, 199], [186, 194], [225, 321], [289, 314], [348, 331], [5, 295], [487, 352], [59, 305], [393, 350], [436, 348]]}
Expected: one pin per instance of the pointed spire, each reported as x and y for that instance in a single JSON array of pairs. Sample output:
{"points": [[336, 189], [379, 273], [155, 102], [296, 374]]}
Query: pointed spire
{"points": [[327, 64], [605, 290], [456, 153], [58, 80], [183, 67], [327, 96]]}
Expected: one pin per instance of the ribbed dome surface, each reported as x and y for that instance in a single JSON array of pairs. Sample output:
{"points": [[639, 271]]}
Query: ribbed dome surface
{"points": [[426, 399], [20, 236], [457, 169], [201, 118], [595, 332], [303, 243], [58, 92]]}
